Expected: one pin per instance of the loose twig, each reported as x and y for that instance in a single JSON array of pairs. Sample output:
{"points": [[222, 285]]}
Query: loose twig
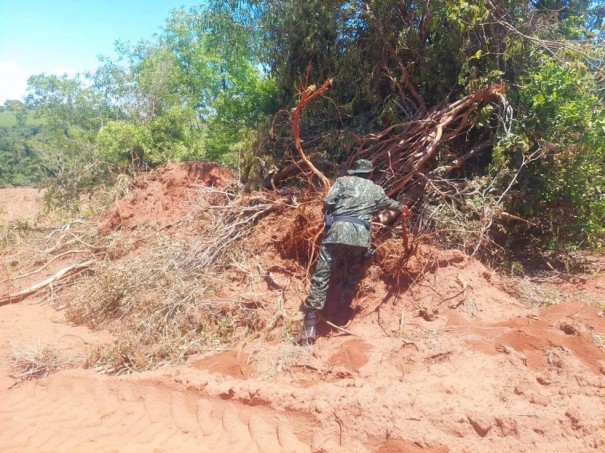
{"points": [[342, 329]]}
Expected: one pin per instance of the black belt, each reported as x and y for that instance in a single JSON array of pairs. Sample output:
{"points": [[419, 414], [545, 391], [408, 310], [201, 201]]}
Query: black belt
{"points": [[330, 219]]}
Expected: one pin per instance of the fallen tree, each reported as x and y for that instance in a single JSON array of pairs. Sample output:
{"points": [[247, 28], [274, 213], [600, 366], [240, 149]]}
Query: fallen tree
{"points": [[415, 161], [402, 151]]}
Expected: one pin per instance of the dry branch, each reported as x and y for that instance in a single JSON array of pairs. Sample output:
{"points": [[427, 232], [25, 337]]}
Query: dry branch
{"points": [[48, 263], [13, 298], [308, 95], [278, 175], [402, 150], [405, 212]]}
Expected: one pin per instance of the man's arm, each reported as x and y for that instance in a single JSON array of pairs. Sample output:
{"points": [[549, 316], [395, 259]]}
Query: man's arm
{"points": [[388, 208], [331, 199], [388, 203]]}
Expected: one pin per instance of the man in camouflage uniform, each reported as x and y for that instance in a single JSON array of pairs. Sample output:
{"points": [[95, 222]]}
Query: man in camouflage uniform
{"points": [[350, 205]]}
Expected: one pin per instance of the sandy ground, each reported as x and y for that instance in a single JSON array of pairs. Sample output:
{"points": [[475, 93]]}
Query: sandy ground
{"points": [[19, 203], [459, 362]]}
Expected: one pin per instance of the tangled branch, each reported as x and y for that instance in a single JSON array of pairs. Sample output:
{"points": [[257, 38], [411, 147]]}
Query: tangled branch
{"points": [[308, 95], [402, 150]]}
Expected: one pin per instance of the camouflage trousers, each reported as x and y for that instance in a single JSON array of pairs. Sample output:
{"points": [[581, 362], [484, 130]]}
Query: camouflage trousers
{"points": [[333, 257]]}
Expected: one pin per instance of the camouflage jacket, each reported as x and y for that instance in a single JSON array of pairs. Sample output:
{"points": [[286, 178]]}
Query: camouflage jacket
{"points": [[356, 197]]}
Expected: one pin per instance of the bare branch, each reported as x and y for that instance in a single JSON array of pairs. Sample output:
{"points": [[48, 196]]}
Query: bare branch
{"points": [[308, 95], [17, 297]]}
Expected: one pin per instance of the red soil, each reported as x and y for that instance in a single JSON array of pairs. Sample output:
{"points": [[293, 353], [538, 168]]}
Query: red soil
{"points": [[165, 196], [19, 203], [455, 362]]}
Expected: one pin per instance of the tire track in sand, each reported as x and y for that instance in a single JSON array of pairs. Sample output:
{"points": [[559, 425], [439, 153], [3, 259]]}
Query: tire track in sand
{"points": [[79, 411]]}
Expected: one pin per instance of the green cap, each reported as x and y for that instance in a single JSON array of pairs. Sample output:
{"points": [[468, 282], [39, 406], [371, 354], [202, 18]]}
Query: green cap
{"points": [[361, 166]]}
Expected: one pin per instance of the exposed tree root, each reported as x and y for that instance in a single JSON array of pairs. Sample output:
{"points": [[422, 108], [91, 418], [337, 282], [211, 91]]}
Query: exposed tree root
{"points": [[401, 151], [309, 94]]}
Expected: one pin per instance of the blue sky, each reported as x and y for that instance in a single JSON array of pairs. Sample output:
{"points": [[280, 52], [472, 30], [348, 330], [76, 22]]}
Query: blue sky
{"points": [[65, 36]]}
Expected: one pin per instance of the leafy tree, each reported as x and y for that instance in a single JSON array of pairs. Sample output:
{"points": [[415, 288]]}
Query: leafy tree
{"points": [[18, 109], [564, 117], [220, 73], [73, 112], [19, 162], [122, 143], [67, 104], [196, 91]]}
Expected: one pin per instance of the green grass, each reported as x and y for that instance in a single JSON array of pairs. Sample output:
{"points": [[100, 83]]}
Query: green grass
{"points": [[7, 119]]}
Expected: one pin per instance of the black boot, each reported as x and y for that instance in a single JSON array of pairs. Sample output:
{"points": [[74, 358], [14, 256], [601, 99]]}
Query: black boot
{"points": [[308, 334]]}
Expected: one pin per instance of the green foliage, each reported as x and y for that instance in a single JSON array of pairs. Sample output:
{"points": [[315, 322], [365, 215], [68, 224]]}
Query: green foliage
{"points": [[192, 93], [219, 74], [7, 119], [65, 148], [121, 143], [17, 162], [19, 110], [68, 105], [563, 117], [175, 136], [549, 165], [195, 91]]}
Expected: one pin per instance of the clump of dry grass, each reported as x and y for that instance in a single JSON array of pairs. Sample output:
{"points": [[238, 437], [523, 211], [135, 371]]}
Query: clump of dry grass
{"points": [[35, 362], [171, 300], [14, 232], [463, 215]]}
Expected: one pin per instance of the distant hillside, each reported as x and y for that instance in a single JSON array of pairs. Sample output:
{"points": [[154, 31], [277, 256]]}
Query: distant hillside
{"points": [[7, 119], [19, 158]]}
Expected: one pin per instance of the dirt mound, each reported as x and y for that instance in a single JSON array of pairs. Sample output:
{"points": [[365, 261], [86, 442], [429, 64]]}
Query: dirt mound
{"points": [[164, 196], [440, 353]]}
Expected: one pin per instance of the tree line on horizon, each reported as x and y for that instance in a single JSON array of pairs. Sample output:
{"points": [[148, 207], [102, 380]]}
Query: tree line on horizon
{"points": [[220, 79]]}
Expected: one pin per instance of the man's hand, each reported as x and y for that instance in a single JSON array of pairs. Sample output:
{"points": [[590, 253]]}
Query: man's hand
{"points": [[388, 216]]}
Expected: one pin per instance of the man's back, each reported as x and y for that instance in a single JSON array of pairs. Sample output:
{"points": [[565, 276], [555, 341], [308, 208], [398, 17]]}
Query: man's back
{"points": [[356, 197]]}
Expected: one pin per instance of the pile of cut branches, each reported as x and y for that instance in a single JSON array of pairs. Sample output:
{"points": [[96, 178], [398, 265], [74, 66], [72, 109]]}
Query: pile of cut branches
{"points": [[402, 151], [169, 302]]}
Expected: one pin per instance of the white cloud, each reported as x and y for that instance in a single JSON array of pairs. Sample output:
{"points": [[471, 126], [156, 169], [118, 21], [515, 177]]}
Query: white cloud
{"points": [[69, 72], [13, 81]]}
